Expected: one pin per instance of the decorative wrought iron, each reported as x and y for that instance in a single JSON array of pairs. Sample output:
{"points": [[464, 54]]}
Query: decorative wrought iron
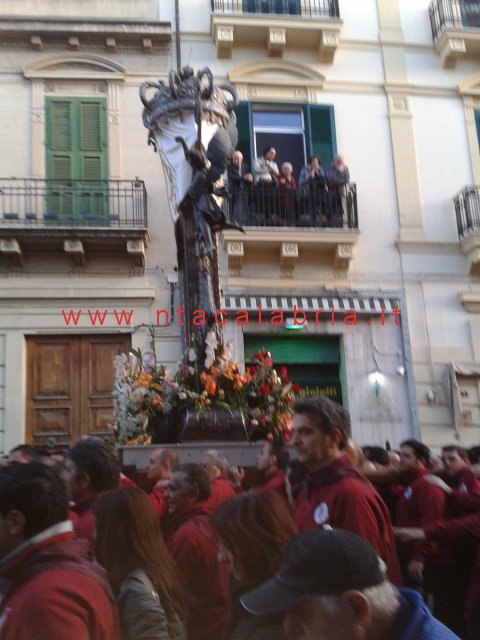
{"points": [[467, 210], [73, 203], [272, 206], [317, 8], [453, 14]]}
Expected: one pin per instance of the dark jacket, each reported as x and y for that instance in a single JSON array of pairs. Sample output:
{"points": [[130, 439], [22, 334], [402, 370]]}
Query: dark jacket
{"points": [[414, 621], [142, 615], [236, 176], [52, 591]]}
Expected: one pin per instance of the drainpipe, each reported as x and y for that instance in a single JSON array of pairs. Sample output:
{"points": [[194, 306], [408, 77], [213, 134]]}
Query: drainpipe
{"points": [[177, 35]]}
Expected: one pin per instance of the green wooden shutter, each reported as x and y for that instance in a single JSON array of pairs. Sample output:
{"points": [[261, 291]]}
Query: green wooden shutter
{"points": [[320, 132], [244, 131], [92, 140], [76, 151], [59, 139]]}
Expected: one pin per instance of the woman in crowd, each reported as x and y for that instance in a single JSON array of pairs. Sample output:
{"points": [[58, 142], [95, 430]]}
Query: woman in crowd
{"points": [[253, 529], [145, 580], [287, 190]]}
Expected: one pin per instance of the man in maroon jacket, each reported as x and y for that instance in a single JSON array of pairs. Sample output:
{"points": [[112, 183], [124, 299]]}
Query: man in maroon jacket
{"points": [[50, 589], [335, 492], [458, 481], [192, 543], [90, 468], [159, 469], [272, 461], [459, 532], [427, 563]]}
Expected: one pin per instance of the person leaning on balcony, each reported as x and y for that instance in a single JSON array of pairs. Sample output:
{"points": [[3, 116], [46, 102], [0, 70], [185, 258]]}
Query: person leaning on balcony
{"points": [[265, 168], [337, 175], [287, 189], [239, 181], [312, 192], [285, 178], [265, 171]]}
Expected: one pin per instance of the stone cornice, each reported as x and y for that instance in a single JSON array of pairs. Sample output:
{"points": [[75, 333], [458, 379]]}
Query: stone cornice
{"points": [[40, 33]]}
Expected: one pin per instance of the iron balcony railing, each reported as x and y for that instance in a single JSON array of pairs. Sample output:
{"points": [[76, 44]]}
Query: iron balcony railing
{"points": [[73, 203], [467, 210], [454, 14], [320, 8], [275, 206]]}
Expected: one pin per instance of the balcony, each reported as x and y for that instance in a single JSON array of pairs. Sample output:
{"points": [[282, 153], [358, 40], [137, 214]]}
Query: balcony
{"points": [[72, 216], [276, 24], [278, 219], [455, 29], [467, 210]]}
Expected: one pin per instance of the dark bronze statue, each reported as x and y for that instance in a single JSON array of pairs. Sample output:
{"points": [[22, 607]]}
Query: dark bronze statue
{"points": [[192, 125]]}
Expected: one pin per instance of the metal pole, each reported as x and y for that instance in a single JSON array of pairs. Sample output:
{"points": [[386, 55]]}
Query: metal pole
{"points": [[177, 35]]}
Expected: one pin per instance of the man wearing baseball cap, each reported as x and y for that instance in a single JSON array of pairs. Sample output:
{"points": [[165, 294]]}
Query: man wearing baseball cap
{"points": [[331, 585]]}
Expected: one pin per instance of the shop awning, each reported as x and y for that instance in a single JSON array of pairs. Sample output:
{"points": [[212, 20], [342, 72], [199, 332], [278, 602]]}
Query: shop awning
{"points": [[310, 304]]}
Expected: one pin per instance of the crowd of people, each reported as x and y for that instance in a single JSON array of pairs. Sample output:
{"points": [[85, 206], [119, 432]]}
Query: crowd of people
{"points": [[273, 196], [338, 542]]}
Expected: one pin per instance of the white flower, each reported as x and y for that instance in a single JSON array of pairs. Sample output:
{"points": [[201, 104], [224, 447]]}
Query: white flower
{"points": [[192, 355], [182, 395]]}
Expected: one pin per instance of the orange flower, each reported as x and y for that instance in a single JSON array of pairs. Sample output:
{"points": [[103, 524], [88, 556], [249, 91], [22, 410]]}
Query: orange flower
{"points": [[145, 379], [209, 383], [237, 382], [156, 387], [157, 401]]}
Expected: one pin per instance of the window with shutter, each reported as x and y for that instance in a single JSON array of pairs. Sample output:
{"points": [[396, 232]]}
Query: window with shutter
{"points": [[320, 130], [296, 132], [76, 161]]}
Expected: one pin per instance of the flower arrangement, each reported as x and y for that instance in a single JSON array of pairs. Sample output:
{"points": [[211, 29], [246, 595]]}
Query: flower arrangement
{"points": [[144, 389]]}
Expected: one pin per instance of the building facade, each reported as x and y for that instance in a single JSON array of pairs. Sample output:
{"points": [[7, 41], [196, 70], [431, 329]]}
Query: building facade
{"points": [[370, 294]]}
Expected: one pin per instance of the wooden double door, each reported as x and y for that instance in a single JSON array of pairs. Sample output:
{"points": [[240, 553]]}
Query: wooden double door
{"points": [[69, 386]]}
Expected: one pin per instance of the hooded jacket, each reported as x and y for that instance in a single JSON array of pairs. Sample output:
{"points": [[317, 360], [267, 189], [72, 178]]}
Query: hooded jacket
{"points": [[51, 590], [338, 495]]}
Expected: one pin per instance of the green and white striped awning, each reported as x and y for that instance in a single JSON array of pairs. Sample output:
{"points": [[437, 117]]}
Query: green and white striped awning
{"points": [[361, 304]]}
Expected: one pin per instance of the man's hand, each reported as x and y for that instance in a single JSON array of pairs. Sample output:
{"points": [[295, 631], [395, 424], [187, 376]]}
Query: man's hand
{"points": [[438, 482], [407, 534], [415, 570], [237, 475]]}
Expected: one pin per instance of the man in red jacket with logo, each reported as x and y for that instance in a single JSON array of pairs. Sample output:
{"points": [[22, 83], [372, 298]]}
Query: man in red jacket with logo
{"points": [[191, 541], [50, 589], [458, 481], [427, 563], [335, 492]]}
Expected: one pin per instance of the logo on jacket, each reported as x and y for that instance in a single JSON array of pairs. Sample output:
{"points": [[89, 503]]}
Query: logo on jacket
{"points": [[462, 487], [408, 493], [321, 515]]}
